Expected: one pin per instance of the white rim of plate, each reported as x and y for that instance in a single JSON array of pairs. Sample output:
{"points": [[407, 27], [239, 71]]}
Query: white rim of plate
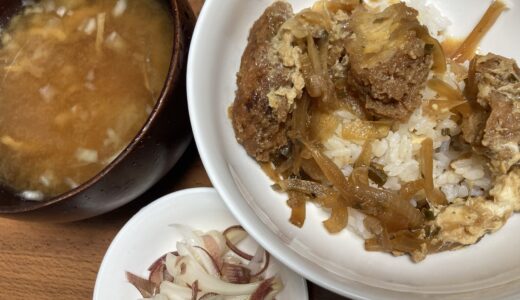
{"points": [[200, 192], [244, 213]]}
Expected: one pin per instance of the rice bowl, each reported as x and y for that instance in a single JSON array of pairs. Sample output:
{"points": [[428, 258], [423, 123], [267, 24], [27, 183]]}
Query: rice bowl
{"points": [[246, 190]]}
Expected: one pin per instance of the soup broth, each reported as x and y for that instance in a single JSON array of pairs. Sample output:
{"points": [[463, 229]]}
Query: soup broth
{"points": [[78, 80]]}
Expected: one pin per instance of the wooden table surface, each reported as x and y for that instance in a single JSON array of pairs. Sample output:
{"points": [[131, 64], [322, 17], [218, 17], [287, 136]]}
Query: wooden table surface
{"points": [[60, 261]]}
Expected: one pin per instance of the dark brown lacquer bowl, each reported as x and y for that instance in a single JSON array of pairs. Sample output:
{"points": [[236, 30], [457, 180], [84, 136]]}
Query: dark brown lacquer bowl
{"points": [[149, 156]]}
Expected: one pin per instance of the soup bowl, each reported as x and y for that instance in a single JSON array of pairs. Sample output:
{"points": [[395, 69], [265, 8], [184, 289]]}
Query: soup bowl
{"points": [[150, 154]]}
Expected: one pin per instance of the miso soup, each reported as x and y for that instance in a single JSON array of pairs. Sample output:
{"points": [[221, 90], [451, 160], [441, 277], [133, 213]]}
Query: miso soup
{"points": [[78, 80]]}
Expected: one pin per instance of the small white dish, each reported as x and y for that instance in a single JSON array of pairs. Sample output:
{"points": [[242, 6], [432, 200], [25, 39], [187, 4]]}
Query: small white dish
{"points": [[147, 236], [487, 270]]}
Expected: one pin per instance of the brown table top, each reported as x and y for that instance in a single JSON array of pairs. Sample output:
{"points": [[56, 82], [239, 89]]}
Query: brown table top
{"points": [[60, 261]]}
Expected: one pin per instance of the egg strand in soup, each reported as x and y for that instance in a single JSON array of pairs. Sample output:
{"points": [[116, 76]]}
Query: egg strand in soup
{"points": [[78, 80]]}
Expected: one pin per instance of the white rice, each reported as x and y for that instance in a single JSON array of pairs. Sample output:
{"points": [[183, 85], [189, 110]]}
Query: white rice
{"points": [[430, 16], [341, 151], [398, 152], [356, 224]]}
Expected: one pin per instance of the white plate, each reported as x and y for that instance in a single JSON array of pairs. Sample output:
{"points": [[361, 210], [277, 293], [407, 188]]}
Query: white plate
{"points": [[337, 262], [147, 237]]}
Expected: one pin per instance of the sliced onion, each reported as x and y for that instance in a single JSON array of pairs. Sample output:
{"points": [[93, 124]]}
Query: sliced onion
{"points": [[406, 241], [267, 289], [314, 85], [433, 195], [315, 18], [329, 200], [366, 195], [171, 262], [381, 236], [258, 269], [445, 90], [313, 81], [409, 189], [333, 174], [188, 235], [325, 12], [453, 100], [323, 47], [314, 56], [334, 5], [296, 149], [322, 126], [160, 260], [297, 202], [190, 264], [467, 49], [312, 170], [212, 296], [215, 263], [338, 219], [365, 130], [365, 156], [215, 245], [166, 275], [157, 274], [175, 291], [300, 120], [145, 287], [436, 108], [256, 262], [373, 245], [193, 271], [157, 262], [194, 290], [304, 186], [231, 245], [200, 255], [440, 246], [295, 27], [235, 273], [385, 205], [270, 171], [471, 89], [235, 234], [285, 168]]}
